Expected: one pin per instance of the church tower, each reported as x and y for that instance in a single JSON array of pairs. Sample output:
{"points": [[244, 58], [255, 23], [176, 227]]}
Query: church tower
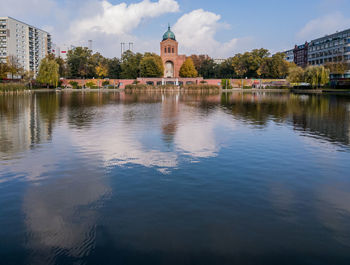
{"points": [[172, 61]]}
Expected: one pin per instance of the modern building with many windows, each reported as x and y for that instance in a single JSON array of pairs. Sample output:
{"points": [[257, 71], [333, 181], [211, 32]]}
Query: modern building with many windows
{"points": [[26, 43], [331, 48], [289, 55]]}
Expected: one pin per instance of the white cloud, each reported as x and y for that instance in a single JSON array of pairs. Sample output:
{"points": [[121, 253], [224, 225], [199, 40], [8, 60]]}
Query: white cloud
{"points": [[196, 31], [121, 19], [324, 25]]}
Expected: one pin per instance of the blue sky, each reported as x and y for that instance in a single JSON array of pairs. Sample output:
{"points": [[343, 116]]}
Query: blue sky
{"points": [[219, 28]]}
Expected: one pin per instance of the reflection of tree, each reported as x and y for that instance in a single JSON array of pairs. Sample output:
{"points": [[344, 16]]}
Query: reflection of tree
{"points": [[325, 116]]}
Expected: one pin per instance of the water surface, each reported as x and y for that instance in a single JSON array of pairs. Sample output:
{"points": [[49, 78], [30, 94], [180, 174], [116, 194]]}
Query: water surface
{"points": [[174, 178]]}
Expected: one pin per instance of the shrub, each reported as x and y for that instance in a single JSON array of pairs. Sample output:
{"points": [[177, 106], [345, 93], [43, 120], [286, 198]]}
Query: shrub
{"points": [[105, 83], [74, 84], [90, 84], [136, 86], [202, 87]]}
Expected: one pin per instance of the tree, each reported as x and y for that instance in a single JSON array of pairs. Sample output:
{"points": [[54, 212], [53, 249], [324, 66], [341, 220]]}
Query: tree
{"points": [[239, 65], [225, 69], [14, 66], [317, 76], [4, 69], [198, 60], [188, 69], [79, 63], [114, 68], [101, 70], [48, 72], [151, 65], [207, 68], [274, 67], [338, 68], [295, 74], [63, 71], [130, 65]]}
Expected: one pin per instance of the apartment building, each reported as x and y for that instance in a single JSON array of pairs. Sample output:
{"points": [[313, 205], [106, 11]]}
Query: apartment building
{"points": [[289, 55], [26, 43], [330, 48]]}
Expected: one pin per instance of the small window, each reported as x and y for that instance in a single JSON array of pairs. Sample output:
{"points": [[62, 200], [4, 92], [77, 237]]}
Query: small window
{"points": [[165, 49], [168, 49], [172, 50]]}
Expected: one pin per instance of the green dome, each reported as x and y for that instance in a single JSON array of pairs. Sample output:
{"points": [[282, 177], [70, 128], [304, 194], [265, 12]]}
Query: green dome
{"points": [[169, 35]]}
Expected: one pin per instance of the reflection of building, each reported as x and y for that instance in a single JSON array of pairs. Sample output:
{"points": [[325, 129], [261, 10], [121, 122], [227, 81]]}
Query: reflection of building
{"points": [[170, 115], [26, 43], [24, 128], [169, 53]]}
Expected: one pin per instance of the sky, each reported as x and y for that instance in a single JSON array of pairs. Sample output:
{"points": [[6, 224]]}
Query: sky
{"points": [[219, 28]]}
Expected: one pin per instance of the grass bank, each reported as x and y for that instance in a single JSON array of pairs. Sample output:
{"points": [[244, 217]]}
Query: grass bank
{"points": [[13, 87]]}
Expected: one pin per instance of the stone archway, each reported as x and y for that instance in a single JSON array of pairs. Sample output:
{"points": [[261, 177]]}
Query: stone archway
{"points": [[169, 69]]}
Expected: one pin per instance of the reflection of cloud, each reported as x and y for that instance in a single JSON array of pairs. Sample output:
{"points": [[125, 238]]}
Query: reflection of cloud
{"points": [[195, 135], [196, 139], [60, 215], [117, 144]]}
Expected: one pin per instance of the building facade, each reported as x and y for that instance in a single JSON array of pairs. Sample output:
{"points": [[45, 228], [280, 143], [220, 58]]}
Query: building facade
{"points": [[331, 48], [289, 56], [301, 54], [169, 52], [27, 44]]}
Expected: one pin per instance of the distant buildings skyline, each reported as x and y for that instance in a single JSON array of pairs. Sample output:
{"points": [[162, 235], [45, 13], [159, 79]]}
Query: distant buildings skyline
{"points": [[331, 48]]}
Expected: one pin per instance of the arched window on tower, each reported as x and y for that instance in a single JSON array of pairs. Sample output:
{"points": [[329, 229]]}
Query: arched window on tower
{"points": [[172, 50], [165, 50], [168, 49]]}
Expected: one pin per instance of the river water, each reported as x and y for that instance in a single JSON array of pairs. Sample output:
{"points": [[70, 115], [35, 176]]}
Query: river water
{"points": [[174, 178]]}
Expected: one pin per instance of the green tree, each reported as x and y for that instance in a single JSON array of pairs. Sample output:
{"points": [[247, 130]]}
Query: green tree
{"points": [[317, 76], [188, 69], [295, 74], [239, 65], [48, 72], [130, 65], [151, 65], [207, 68], [80, 63], [225, 69], [114, 68], [274, 67], [63, 71]]}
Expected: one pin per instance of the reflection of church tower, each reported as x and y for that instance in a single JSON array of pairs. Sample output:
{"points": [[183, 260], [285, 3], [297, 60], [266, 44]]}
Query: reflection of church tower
{"points": [[169, 52], [170, 115]]}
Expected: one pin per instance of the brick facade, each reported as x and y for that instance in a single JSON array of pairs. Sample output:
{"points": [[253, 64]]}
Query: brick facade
{"points": [[169, 53]]}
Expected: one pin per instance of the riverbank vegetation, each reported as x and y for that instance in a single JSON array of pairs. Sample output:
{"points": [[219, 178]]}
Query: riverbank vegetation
{"points": [[82, 63], [315, 76]]}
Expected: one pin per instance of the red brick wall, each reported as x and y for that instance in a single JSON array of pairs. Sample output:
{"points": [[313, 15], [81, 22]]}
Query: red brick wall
{"points": [[173, 57]]}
